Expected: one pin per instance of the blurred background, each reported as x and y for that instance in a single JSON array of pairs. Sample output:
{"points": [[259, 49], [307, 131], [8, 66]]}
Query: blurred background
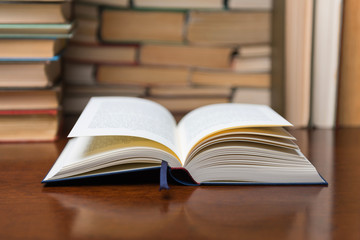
{"points": [[298, 56]]}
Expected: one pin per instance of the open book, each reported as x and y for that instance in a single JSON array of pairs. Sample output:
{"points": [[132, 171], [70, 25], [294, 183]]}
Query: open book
{"points": [[221, 143]]}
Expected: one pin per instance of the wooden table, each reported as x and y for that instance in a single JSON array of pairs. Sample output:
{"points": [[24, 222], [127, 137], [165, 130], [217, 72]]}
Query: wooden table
{"points": [[120, 210]]}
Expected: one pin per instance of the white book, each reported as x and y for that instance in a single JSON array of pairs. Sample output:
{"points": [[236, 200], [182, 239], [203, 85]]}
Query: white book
{"points": [[328, 14], [220, 143]]}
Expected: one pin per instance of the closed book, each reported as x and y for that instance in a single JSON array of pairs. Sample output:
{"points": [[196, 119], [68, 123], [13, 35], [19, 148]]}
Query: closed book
{"points": [[186, 55], [258, 5], [30, 99], [29, 125], [141, 26], [190, 91], [35, 12], [230, 79], [278, 59], [228, 28], [37, 31], [33, 74], [251, 64], [148, 76], [348, 114], [325, 69], [179, 4], [111, 3], [298, 50], [252, 96], [255, 51], [100, 53], [30, 48]]}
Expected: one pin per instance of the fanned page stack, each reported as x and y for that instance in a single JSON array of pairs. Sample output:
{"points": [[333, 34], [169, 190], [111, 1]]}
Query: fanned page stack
{"points": [[215, 144]]}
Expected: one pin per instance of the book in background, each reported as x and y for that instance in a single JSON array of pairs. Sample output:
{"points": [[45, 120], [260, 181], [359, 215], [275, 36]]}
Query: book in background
{"points": [[159, 48], [298, 53], [327, 24], [278, 68], [348, 114], [32, 39], [305, 72]]}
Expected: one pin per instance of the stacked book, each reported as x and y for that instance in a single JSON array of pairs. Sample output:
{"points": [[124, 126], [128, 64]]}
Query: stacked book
{"points": [[182, 54], [32, 38]]}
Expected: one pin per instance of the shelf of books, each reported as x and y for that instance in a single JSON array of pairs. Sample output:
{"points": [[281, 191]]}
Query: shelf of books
{"points": [[182, 54], [33, 36]]}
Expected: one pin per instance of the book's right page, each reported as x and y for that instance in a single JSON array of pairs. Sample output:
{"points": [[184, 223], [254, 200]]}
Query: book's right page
{"points": [[242, 144], [210, 119]]}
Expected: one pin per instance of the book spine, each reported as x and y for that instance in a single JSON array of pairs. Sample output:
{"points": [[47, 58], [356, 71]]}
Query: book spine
{"points": [[278, 57], [348, 114]]}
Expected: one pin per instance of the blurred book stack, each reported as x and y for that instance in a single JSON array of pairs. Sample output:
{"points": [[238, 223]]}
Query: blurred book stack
{"points": [[180, 53], [32, 38]]}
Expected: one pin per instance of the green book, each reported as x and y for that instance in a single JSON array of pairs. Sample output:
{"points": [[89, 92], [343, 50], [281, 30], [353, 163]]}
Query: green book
{"points": [[63, 30]]}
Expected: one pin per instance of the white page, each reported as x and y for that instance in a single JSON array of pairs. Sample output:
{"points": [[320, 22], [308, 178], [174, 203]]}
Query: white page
{"points": [[105, 116], [208, 119]]}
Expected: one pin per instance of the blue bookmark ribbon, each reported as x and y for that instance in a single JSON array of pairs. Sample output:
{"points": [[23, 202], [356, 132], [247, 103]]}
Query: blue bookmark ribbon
{"points": [[163, 176]]}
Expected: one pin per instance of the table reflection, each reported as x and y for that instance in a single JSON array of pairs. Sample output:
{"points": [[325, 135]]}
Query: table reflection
{"points": [[205, 212]]}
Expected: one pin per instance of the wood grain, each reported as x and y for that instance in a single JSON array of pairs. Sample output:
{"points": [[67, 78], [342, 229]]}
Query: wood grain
{"points": [[116, 209]]}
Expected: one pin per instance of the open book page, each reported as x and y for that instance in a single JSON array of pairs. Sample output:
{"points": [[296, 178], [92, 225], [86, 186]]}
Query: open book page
{"points": [[72, 150], [203, 121], [114, 116], [85, 156]]}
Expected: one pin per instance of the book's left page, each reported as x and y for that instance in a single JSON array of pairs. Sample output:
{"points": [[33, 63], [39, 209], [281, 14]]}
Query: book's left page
{"points": [[125, 116], [114, 135]]}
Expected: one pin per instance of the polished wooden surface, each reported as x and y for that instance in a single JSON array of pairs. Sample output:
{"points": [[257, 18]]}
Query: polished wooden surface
{"points": [[119, 210]]}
